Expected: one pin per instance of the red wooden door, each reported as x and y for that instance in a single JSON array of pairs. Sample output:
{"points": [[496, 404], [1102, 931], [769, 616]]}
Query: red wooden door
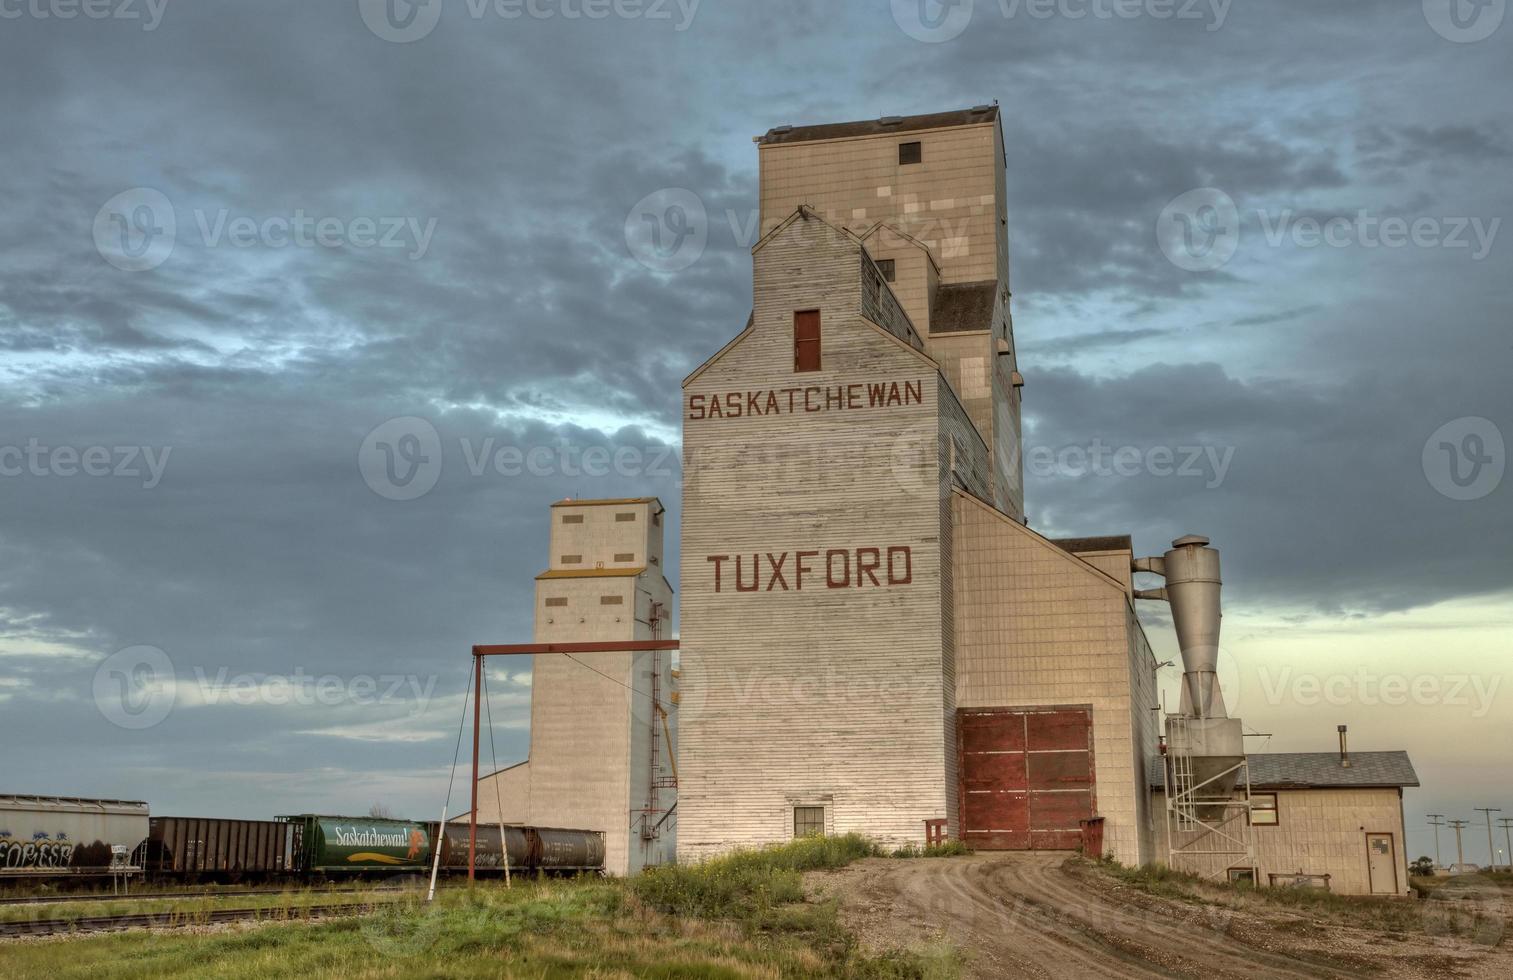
{"points": [[1026, 776], [806, 340]]}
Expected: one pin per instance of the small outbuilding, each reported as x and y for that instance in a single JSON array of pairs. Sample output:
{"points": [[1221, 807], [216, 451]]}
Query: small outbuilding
{"points": [[1321, 819]]}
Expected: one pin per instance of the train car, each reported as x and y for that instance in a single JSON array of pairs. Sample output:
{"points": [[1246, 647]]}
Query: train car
{"points": [[489, 856], [566, 850], [221, 850], [58, 836], [350, 845], [530, 849]]}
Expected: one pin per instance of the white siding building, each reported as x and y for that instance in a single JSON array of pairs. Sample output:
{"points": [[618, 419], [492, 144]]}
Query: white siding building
{"points": [[872, 638]]}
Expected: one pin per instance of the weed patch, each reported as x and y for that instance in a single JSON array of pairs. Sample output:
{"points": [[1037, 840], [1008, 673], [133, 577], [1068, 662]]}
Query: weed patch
{"points": [[950, 848], [741, 915]]}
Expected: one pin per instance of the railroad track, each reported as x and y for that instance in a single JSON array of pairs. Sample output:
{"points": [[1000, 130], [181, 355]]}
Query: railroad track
{"points": [[150, 896], [170, 920]]}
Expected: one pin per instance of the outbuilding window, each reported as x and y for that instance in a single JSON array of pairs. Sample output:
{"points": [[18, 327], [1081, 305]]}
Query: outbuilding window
{"points": [[886, 267], [1263, 809], [910, 153], [572, 559], [808, 821], [806, 340]]}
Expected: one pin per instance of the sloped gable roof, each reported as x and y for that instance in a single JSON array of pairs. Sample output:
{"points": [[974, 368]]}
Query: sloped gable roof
{"points": [[1044, 542], [1318, 770]]}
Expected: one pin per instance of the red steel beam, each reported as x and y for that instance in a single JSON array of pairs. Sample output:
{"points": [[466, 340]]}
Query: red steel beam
{"points": [[606, 646]]}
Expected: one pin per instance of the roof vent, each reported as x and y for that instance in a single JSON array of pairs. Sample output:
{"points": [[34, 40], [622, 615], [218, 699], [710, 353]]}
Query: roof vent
{"points": [[979, 109], [891, 120], [780, 130]]}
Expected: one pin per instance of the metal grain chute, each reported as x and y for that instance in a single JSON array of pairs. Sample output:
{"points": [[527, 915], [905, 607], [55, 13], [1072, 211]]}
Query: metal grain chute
{"points": [[1191, 570], [1205, 747]]}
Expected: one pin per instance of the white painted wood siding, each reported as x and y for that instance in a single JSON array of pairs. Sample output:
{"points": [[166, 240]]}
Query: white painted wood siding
{"points": [[827, 695]]}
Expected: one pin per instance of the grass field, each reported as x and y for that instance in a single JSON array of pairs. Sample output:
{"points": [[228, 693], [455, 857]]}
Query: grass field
{"points": [[740, 916]]}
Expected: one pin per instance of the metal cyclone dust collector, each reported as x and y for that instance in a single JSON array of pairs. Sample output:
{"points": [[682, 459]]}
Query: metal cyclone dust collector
{"points": [[1201, 730]]}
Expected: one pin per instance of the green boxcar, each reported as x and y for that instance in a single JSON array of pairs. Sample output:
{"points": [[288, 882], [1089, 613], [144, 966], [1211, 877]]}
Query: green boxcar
{"points": [[350, 844]]}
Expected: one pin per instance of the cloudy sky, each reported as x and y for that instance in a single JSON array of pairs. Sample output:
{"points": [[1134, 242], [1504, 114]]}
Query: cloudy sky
{"points": [[242, 236]]}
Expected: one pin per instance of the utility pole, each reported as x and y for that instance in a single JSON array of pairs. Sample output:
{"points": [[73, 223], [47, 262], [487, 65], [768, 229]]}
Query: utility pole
{"points": [[1437, 820], [1507, 828], [1460, 854], [1491, 848]]}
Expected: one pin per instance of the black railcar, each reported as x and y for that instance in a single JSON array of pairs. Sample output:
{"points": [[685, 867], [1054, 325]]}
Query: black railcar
{"points": [[213, 848], [529, 848]]}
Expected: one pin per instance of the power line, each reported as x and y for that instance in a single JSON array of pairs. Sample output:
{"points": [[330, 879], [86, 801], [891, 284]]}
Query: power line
{"points": [[457, 752], [606, 676], [504, 844]]}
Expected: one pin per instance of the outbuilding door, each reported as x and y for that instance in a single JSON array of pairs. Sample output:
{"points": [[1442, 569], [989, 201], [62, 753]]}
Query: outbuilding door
{"points": [[1381, 864], [1026, 776]]}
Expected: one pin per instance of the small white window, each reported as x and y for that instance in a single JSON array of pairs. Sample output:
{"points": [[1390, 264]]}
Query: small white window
{"points": [[1263, 809]]}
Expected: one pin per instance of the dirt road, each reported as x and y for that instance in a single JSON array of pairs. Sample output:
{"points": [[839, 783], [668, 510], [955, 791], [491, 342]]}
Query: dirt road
{"points": [[1041, 915]]}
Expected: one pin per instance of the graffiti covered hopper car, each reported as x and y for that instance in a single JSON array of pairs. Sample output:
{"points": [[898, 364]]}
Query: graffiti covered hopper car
{"points": [[65, 835], [354, 844]]}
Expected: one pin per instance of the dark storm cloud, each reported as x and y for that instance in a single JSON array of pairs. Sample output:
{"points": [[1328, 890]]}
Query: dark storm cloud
{"points": [[528, 321], [1087, 341], [1087, 226], [1280, 316], [1388, 150], [1318, 491]]}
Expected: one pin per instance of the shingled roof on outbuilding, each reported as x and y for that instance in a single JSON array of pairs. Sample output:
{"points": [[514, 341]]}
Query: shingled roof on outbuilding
{"points": [[881, 127], [1318, 770]]}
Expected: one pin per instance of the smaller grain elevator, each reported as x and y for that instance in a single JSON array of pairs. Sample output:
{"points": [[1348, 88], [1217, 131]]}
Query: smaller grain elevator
{"points": [[603, 725]]}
